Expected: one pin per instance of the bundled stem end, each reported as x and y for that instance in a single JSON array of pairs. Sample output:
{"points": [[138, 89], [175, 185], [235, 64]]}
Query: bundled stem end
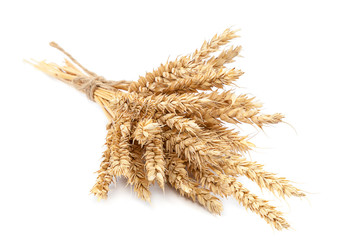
{"points": [[168, 127]]}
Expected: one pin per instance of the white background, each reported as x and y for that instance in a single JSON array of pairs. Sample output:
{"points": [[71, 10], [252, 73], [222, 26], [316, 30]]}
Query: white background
{"points": [[301, 58]]}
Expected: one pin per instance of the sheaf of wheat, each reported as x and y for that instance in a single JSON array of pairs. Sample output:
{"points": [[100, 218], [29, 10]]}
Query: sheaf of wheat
{"points": [[169, 127]]}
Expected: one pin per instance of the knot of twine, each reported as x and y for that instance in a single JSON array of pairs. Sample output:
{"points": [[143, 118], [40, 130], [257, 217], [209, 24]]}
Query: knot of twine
{"points": [[88, 84]]}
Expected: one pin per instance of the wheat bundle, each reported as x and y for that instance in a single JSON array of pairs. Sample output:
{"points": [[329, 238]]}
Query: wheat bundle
{"points": [[168, 127]]}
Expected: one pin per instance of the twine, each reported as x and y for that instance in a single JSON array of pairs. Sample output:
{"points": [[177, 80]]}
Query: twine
{"points": [[88, 84]]}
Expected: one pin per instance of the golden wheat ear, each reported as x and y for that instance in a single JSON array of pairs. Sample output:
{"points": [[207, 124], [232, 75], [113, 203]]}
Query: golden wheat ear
{"points": [[169, 126]]}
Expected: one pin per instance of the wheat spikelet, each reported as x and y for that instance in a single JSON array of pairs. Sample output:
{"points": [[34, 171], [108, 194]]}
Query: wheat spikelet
{"points": [[259, 206], [264, 179], [120, 150], [180, 123], [213, 45], [145, 131], [179, 179], [137, 176], [191, 148], [226, 186], [169, 126], [226, 56], [154, 161], [105, 178], [205, 79]]}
